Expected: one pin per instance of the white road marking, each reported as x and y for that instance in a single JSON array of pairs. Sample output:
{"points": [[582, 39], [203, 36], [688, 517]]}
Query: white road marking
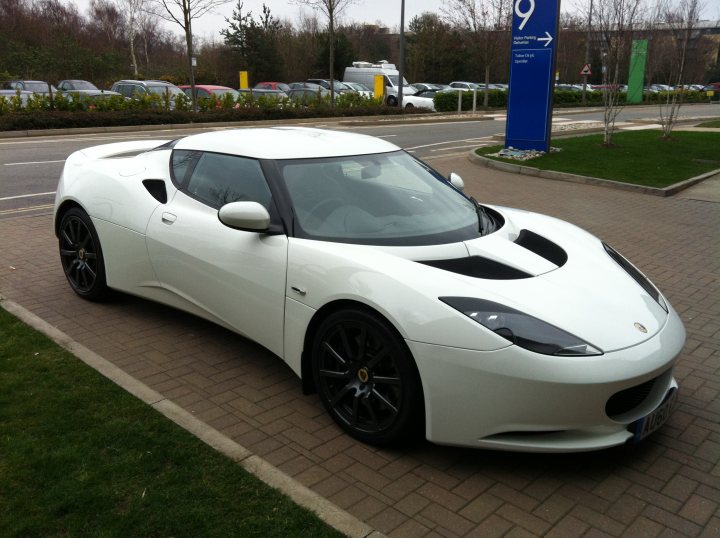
{"points": [[446, 142], [26, 196], [83, 139], [457, 147], [384, 136], [33, 162]]}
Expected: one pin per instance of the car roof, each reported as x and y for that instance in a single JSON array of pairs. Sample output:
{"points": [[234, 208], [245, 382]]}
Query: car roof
{"points": [[205, 87], [286, 143]]}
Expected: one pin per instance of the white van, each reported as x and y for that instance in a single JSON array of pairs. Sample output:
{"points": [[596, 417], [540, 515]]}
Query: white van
{"points": [[364, 73]]}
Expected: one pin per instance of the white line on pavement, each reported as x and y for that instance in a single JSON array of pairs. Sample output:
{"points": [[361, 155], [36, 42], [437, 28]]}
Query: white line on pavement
{"points": [[26, 196], [79, 139], [34, 162], [25, 209], [447, 142], [457, 147]]}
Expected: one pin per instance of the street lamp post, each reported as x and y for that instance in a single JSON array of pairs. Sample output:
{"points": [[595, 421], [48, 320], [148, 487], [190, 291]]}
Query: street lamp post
{"points": [[401, 70]]}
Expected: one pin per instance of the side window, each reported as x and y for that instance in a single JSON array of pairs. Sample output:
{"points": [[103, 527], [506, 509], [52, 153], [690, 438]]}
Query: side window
{"points": [[203, 93], [218, 179], [182, 163]]}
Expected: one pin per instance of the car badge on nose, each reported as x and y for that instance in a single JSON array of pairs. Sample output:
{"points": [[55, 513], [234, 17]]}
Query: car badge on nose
{"points": [[640, 327]]}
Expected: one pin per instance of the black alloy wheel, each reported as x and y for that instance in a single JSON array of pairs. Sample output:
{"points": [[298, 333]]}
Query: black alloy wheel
{"points": [[366, 378], [81, 255]]}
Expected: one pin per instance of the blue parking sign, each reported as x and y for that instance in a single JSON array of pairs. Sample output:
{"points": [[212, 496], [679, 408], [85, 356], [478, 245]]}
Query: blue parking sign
{"points": [[532, 64]]}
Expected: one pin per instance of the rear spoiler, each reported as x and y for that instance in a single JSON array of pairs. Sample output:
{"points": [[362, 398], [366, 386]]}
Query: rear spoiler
{"points": [[121, 149]]}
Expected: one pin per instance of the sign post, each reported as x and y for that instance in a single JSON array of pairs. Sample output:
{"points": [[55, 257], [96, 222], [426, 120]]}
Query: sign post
{"points": [[636, 78], [532, 64]]}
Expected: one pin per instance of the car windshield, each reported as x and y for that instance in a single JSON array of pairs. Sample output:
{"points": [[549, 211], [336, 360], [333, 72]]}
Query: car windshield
{"points": [[36, 86], [381, 199], [395, 79], [221, 93], [173, 91], [82, 85]]}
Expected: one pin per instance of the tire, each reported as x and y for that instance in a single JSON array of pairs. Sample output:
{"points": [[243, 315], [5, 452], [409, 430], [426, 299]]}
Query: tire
{"points": [[81, 255], [366, 378], [392, 100], [409, 105]]}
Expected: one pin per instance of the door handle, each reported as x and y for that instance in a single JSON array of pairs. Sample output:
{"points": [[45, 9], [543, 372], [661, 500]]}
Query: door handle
{"points": [[168, 218]]}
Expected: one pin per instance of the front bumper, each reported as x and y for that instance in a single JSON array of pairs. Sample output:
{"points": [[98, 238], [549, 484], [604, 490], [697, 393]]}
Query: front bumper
{"points": [[514, 399]]}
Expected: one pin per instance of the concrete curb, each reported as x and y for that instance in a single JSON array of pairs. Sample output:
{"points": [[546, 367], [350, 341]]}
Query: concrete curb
{"points": [[574, 178], [331, 514]]}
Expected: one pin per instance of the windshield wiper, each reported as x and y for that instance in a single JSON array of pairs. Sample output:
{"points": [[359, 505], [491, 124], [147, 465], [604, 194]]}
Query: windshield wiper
{"points": [[485, 223]]}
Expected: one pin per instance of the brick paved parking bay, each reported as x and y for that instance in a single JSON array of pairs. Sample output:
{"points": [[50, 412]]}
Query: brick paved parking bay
{"points": [[667, 486]]}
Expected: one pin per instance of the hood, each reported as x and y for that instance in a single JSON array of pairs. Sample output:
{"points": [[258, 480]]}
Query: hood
{"points": [[549, 269]]}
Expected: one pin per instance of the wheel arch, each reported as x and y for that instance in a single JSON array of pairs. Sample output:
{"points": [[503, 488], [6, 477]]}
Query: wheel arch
{"points": [[61, 210], [308, 384]]}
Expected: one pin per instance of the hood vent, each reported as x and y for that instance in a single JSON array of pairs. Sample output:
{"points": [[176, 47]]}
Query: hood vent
{"points": [[478, 267], [542, 247]]}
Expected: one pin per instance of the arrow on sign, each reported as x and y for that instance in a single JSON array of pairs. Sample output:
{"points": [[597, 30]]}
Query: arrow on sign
{"points": [[547, 39]]}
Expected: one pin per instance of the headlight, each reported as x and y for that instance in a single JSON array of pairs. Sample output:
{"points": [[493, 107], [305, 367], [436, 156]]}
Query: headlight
{"points": [[521, 329], [636, 275]]}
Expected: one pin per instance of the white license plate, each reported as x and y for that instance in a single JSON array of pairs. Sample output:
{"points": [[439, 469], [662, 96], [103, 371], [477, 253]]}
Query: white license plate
{"points": [[648, 424]]}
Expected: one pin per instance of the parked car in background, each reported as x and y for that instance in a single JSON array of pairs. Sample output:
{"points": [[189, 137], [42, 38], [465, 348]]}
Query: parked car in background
{"points": [[308, 92], [657, 88], [208, 90], [420, 101], [34, 86], [272, 86], [84, 89], [256, 93], [132, 89], [9, 95], [360, 88], [465, 86], [338, 86]]}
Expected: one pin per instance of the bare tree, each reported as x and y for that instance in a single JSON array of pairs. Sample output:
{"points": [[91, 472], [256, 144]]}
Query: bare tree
{"points": [[132, 9], [676, 25], [332, 10], [487, 23], [615, 24], [182, 13]]}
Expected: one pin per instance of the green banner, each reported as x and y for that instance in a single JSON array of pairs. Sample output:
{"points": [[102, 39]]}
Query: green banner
{"points": [[636, 78]]}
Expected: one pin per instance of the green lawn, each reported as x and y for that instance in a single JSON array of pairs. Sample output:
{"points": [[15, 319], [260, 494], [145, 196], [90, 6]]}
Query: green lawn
{"points": [[713, 124], [81, 457], [639, 157]]}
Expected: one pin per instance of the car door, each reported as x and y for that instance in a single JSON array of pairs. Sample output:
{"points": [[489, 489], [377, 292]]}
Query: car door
{"points": [[235, 277]]}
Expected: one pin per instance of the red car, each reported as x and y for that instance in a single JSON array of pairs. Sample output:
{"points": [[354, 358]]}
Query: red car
{"points": [[208, 90]]}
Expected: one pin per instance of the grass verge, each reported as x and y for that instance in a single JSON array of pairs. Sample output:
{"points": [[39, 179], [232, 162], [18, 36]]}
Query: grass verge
{"points": [[639, 157], [712, 124], [81, 457]]}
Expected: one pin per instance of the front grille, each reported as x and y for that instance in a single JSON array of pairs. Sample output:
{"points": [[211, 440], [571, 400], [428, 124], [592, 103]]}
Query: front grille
{"points": [[628, 399]]}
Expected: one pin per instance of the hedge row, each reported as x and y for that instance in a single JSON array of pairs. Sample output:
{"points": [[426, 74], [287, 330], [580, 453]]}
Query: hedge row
{"points": [[61, 119], [448, 101]]}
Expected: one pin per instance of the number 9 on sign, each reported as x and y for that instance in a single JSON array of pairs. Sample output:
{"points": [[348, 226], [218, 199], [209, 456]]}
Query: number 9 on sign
{"points": [[524, 15]]}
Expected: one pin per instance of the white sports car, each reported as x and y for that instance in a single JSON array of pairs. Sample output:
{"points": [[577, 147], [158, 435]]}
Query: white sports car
{"points": [[408, 306]]}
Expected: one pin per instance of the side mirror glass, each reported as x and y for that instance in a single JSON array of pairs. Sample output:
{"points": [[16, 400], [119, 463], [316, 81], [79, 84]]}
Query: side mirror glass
{"points": [[456, 181], [248, 216]]}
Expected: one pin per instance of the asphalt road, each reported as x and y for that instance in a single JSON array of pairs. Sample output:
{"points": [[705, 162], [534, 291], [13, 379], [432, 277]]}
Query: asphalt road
{"points": [[30, 167]]}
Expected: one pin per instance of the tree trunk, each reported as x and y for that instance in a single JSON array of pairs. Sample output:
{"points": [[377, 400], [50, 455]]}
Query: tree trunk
{"points": [[131, 37], [189, 44], [332, 60]]}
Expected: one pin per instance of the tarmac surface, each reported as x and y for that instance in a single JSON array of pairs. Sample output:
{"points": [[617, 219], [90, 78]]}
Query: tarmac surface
{"points": [[668, 485]]}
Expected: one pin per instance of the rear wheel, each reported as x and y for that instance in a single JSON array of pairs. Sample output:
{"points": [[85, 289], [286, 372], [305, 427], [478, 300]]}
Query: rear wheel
{"points": [[366, 378], [392, 100], [81, 255]]}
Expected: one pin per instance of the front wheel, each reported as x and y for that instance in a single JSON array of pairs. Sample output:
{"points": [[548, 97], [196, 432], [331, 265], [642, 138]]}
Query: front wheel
{"points": [[81, 255], [366, 378], [392, 100]]}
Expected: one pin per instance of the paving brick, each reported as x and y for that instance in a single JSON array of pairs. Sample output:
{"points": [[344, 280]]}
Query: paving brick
{"points": [[567, 526], [671, 521], [554, 508], [387, 520], [441, 496], [680, 488], [481, 507], [409, 529], [411, 504], [491, 527], [643, 526], [597, 520], [698, 509]]}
